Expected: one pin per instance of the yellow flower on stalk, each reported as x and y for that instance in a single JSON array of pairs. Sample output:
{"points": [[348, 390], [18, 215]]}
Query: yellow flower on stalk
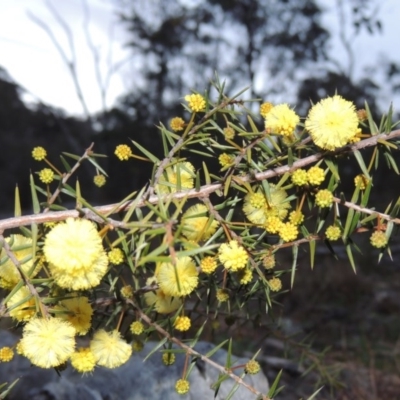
{"points": [[181, 171], [196, 225], [75, 253], [281, 120], [378, 239], [182, 386], [182, 323], [109, 349], [273, 224], [296, 217], [46, 175], [315, 175], [275, 284], [222, 295], [333, 233], [268, 261], [288, 232], [299, 177], [136, 328], [115, 256], [179, 279], [245, 276], [162, 303], [6, 354], [83, 360], [257, 208], [177, 124], [265, 108], [22, 249], [39, 153], [196, 102], [233, 256], [48, 343], [26, 310], [123, 152], [127, 291], [332, 122], [324, 198], [361, 181], [208, 265], [78, 312], [226, 160], [168, 358], [252, 367], [229, 133], [99, 180]]}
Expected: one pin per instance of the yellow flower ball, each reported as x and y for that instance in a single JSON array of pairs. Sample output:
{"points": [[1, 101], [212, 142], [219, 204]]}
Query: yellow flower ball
{"points": [[169, 182], [123, 152], [177, 124], [182, 323], [281, 120], [182, 386], [332, 122], [99, 180], [333, 233], [324, 198], [168, 358], [252, 367], [137, 328], [115, 256], [162, 303], [178, 280], [39, 153], [288, 232], [315, 175], [275, 284], [378, 239], [265, 108], [6, 354], [299, 177], [75, 253], [196, 102], [268, 261], [233, 256], [48, 343], [197, 225], [245, 276], [27, 309], [109, 349], [83, 360], [208, 265]]}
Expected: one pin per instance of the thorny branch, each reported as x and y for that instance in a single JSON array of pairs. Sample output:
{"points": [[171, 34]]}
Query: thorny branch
{"points": [[203, 191]]}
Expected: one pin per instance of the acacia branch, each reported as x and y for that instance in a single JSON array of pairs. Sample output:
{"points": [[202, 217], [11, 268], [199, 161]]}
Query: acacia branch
{"points": [[203, 191]]}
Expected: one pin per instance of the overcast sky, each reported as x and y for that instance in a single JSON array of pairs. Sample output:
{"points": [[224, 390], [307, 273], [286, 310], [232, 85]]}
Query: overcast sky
{"points": [[33, 61]]}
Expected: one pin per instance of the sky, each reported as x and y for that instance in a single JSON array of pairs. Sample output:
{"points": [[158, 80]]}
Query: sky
{"points": [[32, 59]]}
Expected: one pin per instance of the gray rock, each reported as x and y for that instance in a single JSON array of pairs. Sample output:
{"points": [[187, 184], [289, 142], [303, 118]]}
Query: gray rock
{"points": [[135, 380]]}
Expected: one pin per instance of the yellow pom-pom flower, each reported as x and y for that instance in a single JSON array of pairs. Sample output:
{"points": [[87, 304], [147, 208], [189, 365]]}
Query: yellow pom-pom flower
{"points": [[332, 122], [269, 261], [245, 276], [315, 175], [281, 120], [168, 358], [273, 224], [275, 284], [257, 209], [324, 198], [109, 349], [296, 217], [46, 175], [233, 256], [83, 360], [265, 108], [22, 249], [48, 343], [78, 312], [208, 265], [137, 328], [378, 239], [361, 181], [75, 253], [288, 232], [182, 323], [229, 133], [222, 295], [115, 256], [39, 153], [169, 182], [127, 291], [26, 310], [6, 354], [333, 233], [226, 160], [182, 386], [162, 303], [99, 180], [196, 102], [252, 367], [123, 152], [178, 280], [299, 177], [177, 124], [196, 225]]}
